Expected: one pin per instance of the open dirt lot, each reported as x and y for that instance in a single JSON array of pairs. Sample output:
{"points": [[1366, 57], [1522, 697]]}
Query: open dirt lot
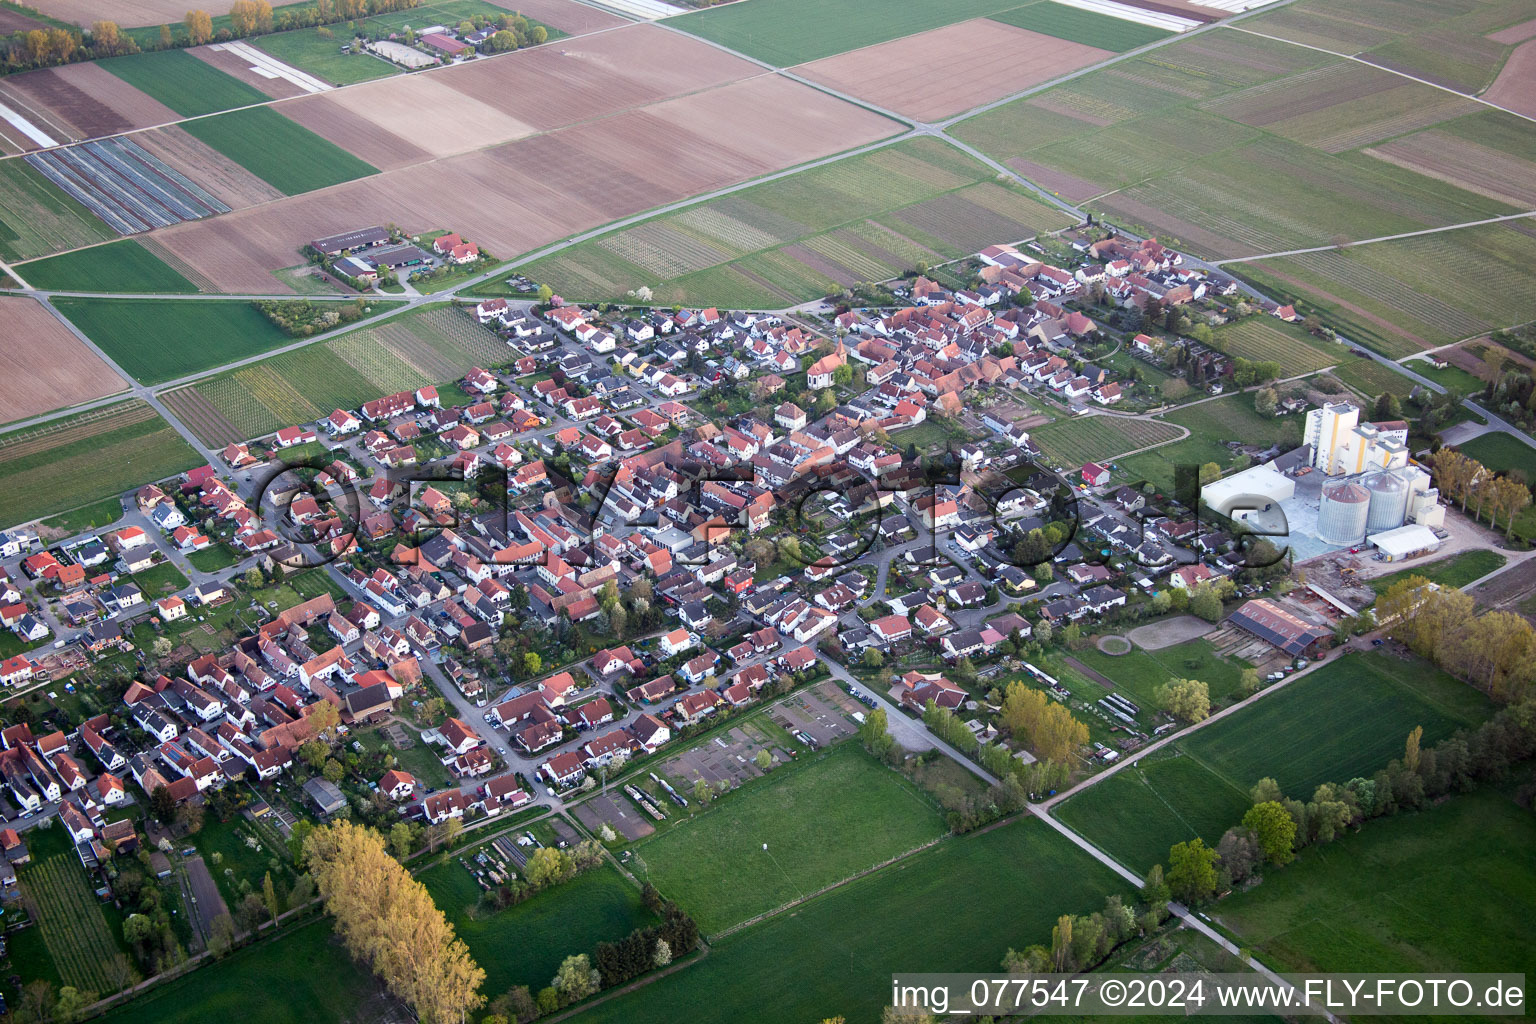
{"points": [[237, 187], [574, 19], [617, 810], [523, 194], [821, 713], [1515, 88], [1156, 635], [82, 101], [46, 367], [127, 13], [934, 74], [722, 759], [235, 66]]}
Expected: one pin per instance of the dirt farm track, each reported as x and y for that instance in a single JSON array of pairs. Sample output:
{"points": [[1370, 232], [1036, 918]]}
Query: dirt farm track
{"points": [[46, 367]]}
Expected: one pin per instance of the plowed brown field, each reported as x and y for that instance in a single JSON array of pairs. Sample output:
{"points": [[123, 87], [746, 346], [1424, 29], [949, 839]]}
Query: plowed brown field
{"points": [[520, 195], [235, 66], [46, 367], [83, 101], [127, 13], [1515, 88], [931, 75], [214, 171], [574, 19]]}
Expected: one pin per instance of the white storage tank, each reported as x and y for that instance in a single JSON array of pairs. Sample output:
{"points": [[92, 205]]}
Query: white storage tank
{"points": [[1342, 517], [1389, 500]]}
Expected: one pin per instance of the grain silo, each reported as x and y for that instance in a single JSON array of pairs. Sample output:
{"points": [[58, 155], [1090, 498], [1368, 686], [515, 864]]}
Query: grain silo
{"points": [[1389, 500], [1345, 508]]}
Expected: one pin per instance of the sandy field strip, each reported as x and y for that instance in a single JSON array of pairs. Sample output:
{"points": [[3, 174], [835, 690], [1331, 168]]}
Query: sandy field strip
{"points": [[524, 194], [437, 119], [570, 17], [127, 13], [85, 101], [933, 74], [46, 367], [236, 66], [1515, 88], [237, 187], [1515, 33]]}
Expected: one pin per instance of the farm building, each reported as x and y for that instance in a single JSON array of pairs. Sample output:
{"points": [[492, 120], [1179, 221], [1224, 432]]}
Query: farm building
{"points": [[1405, 542], [397, 256], [1268, 621], [362, 238]]}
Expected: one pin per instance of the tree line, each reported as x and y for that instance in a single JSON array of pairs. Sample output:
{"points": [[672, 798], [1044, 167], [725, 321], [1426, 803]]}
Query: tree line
{"points": [[387, 920], [1494, 650], [1464, 480], [1276, 826], [58, 44]]}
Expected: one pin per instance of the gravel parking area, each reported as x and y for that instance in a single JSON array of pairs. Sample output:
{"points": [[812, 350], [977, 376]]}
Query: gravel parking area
{"points": [[1154, 636]]}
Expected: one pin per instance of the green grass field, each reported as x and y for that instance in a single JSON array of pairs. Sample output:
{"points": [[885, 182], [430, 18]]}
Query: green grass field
{"points": [[37, 218], [1081, 439], [156, 340], [1210, 423], [956, 907], [309, 51], [1140, 672], [1137, 814], [1372, 378], [213, 558], [867, 218], [1348, 718], [327, 986], [84, 459], [182, 82], [1082, 26], [1445, 889], [777, 31], [1456, 571], [1502, 452], [122, 266], [822, 822], [281, 152], [523, 945]]}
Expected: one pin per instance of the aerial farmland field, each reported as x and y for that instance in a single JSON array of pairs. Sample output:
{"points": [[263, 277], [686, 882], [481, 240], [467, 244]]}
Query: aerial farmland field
{"points": [[182, 82], [822, 822], [1082, 26], [911, 912], [159, 341], [74, 461], [774, 30], [321, 56], [1259, 339], [37, 218], [281, 152], [1076, 440], [1346, 719], [122, 266], [865, 218], [62, 370]]}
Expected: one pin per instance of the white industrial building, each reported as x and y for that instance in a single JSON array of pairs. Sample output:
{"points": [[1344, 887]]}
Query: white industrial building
{"points": [[1251, 489], [1343, 446], [1405, 542]]}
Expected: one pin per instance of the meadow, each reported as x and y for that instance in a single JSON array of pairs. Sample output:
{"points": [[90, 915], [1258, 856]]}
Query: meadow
{"points": [[779, 31], [1501, 453], [523, 945], [864, 219], [1080, 26], [1081, 439], [329, 987], [182, 82], [1260, 339], [37, 218], [1443, 889], [156, 341], [122, 266], [955, 907], [307, 50], [1141, 671], [1372, 378], [281, 152], [820, 822], [1210, 423], [1348, 718], [83, 459], [1456, 571]]}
